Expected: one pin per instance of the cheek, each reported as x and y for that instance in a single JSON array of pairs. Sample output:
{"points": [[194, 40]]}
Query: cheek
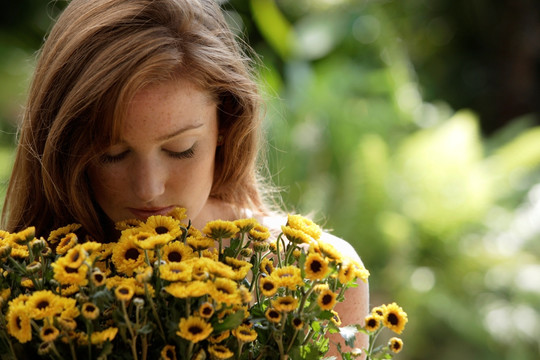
{"points": [[105, 183]]}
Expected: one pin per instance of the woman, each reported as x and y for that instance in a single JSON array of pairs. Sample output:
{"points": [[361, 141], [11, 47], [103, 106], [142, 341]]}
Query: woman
{"points": [[138, 106]]}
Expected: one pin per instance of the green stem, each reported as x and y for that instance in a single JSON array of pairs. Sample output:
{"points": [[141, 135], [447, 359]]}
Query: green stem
{"points": [[154, 312], [133, 341]]}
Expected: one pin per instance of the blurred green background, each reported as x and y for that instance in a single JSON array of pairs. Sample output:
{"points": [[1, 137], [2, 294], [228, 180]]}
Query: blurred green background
{"points": [[409, 128]]}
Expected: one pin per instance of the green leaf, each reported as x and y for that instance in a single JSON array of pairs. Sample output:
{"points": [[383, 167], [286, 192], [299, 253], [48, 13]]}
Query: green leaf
{"points": [[229, 322], [273, 25]]}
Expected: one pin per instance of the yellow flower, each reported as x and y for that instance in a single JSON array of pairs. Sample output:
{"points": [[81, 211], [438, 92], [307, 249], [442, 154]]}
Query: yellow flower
{"points": [[372, 323], [75, 256], [99, 337], [90, 311], [245, 225], [18, 323], [175, 272], [267, 266], [42, 304], [241, 268], [394, 318], [219, 338], [329, 251], [194, 329], [346, 272], [168, 352], [220, 229], [144, 274], [273, 315], [288, 276], [48, 333], [199, 243], [220, 352], [327, 299], [297, 323], [56, 235], [296, 236], [304, 224], [66, 274], [160, 225], [124, 292], [126, 255], [285, 304], [378, 312], [178, 213], [226, 291], [176, 251], [191, 289], [259, 233], [316, 267], [23, 237], [66, 243], [268, 286], [150, 241], [98, 278], [395, 344], [67, 290], [127, 224], [335, 318], [245, 333], [206, 310]]}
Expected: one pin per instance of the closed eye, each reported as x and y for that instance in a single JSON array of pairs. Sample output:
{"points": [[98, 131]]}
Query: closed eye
{"points": [[183, 154], [109, 159]]}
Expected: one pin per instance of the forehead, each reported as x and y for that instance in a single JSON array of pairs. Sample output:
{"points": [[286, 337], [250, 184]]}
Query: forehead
{"points": [[167, 106]]}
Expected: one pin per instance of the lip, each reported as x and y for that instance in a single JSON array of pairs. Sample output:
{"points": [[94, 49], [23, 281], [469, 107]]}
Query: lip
{"points": [[145, 213]]}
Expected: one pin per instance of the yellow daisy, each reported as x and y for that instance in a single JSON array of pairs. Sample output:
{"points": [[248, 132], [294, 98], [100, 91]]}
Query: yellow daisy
{"points": [[226, 291], [48, 333], [90, 311], [150, 241], [66, 243], [259, 233], [194, 329], [372, 323], [327, 299], [99, 337], [199, 243], [245, 225], [394, 318], [296, 236], [215, 339], [220, 352], [316, 267], [160, 225], [128, 224], [206, 310], [65, 274], [127, 256], [267, 266], [124, 292], [329, 251], [297, 323], [42, 304], [335, 318], [56, 235], [304, 224], [175, 271], [273, 315], [178, 213], [288, 276], [176, 251], [268, 286], [98, 278], [245, 333], [285, 303], [346, 272], [241, 268], [395, 344], [18, 323], [220, 229], [168, 352]]}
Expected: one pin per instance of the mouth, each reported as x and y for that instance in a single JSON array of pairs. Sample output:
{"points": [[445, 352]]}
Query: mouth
{"points": [[145, 213]]}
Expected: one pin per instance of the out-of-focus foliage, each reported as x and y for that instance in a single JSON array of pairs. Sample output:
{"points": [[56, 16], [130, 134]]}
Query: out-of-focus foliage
{"points": [[444, 216]]}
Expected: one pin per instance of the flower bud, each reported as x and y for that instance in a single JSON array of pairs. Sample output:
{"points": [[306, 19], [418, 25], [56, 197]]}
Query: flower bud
{"points": [[247, 252], [45, 348], [5, 251], [34, 267], [260, 246], [38, 244], [138, 302]]}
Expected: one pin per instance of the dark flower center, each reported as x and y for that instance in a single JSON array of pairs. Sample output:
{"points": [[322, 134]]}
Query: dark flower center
{"points": [[174, 256], [195, 330], [393, 319], [327, 299], [316, 266], [132, 254], [268, 286], [161, 230], [42, 304]]}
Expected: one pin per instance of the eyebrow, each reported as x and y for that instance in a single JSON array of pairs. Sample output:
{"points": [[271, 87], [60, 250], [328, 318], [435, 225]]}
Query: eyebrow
{"points": [[179, 131]]}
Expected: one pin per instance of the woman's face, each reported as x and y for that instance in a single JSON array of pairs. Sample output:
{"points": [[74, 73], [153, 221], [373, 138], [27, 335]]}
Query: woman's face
{"points": [[165, 157]]}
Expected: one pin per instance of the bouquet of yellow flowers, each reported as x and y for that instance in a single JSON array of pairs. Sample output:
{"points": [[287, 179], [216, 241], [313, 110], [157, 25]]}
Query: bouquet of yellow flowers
{"points": [[167, 290]]}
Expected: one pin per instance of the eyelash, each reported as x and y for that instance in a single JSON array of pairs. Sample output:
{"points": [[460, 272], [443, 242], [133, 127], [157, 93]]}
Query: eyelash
{"points": [[111, 159]]}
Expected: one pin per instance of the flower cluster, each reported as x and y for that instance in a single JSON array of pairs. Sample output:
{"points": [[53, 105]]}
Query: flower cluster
{"points": [[167, 290]]}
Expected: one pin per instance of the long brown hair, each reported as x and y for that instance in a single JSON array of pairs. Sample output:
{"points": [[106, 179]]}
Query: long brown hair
{"points": [[96, 57]]}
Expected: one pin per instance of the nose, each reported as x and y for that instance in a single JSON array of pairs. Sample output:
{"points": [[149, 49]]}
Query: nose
{"points": [[148, 180]]}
